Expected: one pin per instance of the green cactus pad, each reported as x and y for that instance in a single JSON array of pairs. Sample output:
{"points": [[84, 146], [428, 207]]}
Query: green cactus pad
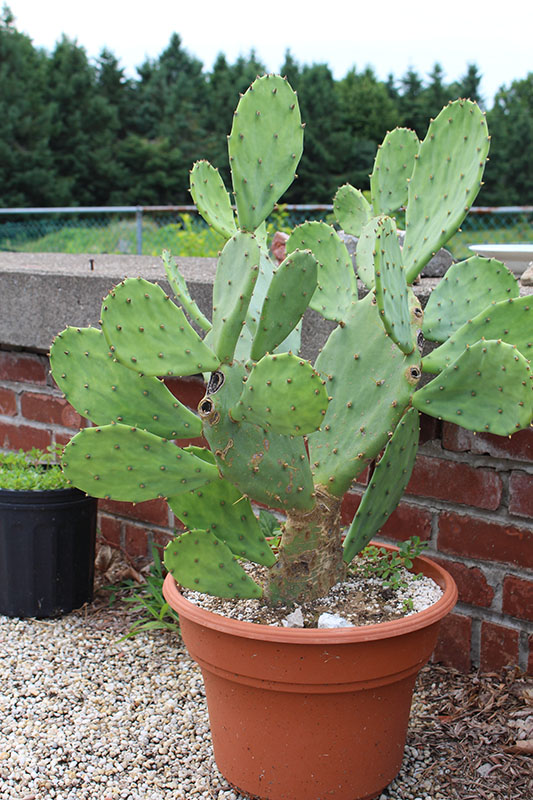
{"points": [[352, 210], [391, 287], [104, 391], [468, 288], [488, 388], [445, 181], [148, 333], [181, 291], [393, 167], [337, 286], [386, 485], [365, 253], [283, 392], [509, 320], [212, 199], [265, 146], [221, 508], [289, 293], [268, 467], [200, 561], [371, 381], [237, 273], [122, 463]]}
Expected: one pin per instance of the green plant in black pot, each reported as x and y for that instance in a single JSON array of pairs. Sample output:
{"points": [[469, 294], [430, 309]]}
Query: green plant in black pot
{"points": [[33, 470], [47, 537]]}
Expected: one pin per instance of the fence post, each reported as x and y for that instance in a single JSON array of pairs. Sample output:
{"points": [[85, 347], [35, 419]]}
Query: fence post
{"points": [[139, 221]]}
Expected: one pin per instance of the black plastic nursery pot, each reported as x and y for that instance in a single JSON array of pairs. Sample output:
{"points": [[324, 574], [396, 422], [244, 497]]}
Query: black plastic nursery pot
{"points": [[47, 548]]}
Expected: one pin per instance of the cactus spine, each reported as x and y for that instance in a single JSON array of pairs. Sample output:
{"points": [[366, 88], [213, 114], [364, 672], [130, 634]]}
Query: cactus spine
{"points": [[281, 431]]}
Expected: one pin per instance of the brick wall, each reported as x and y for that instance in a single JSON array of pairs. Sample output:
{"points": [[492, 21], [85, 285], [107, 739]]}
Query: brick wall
{"points": [[470, 497]]}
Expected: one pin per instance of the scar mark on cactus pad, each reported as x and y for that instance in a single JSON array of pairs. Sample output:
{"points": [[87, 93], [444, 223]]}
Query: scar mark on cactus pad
{"points": [[223, 453]]}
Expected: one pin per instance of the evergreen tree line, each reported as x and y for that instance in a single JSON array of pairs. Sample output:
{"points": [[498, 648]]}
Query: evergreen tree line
{"points": [[75, 133]]}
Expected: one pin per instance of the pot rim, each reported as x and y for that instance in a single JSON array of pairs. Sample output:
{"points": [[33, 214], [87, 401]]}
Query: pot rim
{"points": [[361, 633]]}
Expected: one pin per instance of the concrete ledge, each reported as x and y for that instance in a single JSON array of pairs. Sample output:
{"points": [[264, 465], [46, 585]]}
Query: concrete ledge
{"points": [[43, 293]]}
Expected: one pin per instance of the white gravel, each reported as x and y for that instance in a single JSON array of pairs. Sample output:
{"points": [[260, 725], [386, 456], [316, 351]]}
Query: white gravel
{"points": [[84, 716]]}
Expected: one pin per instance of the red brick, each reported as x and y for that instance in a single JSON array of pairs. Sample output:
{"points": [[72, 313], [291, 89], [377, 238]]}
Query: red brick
{"points": [[188, 391], [405, 521], [499, 647], [430, 428], [521, 494], [472, 584], [518, 597], [363, 477], [8, 402], [136, 541], [16, 437], [519, 446], [63, 438], [199, 441], [408, 520], [49, 408], [453, 644], [456, 482], [530, 658], [162, 538], [110, 528], [350, 504], [494, 541], [23, 368], [152, 511]]}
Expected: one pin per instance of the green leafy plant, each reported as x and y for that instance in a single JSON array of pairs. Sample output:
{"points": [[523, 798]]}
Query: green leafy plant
{"points": [[389, 567], [282, 432], [33, 470], [147, 600]]}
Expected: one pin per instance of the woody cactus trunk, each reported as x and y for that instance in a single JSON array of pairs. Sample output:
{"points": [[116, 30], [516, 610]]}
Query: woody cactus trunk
{"points": [[282, 432]]}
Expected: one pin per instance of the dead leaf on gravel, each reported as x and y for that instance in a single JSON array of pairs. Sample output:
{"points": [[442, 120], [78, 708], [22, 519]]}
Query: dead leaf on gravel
{"points": [[523, 747]]}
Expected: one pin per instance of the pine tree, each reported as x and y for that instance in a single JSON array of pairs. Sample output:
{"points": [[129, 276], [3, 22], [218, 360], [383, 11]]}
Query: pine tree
{"points": [[26, 169]]}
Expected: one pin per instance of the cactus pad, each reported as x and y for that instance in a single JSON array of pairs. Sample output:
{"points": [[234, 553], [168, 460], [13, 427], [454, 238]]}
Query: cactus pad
{"points": [[392, 170], [284, 393], [148, 333], [200, 561], [386, 485], [104, 391], [365, 253], [181, 291], [237, 272], [445, 181], [509, 320], [488, 388], [370, 381], [265, 146], [352, 210], [289, 293], [122, 463], [391, 287], [211, 198], [268, 467], [221, 508], [468, 288], [337, 287]]}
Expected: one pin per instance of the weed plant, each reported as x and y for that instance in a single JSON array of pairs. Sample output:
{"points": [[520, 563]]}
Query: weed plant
{"points": [[34, 470]]}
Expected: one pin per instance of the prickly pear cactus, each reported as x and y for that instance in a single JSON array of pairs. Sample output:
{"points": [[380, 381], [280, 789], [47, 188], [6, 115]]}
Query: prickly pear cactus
{"points": [[283, 432]]}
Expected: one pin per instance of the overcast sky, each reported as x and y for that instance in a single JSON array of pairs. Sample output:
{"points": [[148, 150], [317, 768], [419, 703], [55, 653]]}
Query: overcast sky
{"points": [[388, 35]]}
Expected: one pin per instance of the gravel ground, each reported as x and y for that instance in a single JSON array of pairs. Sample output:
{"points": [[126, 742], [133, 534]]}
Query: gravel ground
{"points": [[85, 716]]}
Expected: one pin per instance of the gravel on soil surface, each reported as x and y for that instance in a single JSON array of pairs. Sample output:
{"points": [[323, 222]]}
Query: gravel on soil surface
{"points": [[86, 716]]}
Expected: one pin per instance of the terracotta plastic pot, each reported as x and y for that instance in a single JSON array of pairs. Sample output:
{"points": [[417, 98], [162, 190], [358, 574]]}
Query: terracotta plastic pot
{"points": [[310, 714]]}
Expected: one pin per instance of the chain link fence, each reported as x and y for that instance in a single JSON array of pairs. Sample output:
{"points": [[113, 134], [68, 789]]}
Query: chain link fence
{"points": [[150, 229]]}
